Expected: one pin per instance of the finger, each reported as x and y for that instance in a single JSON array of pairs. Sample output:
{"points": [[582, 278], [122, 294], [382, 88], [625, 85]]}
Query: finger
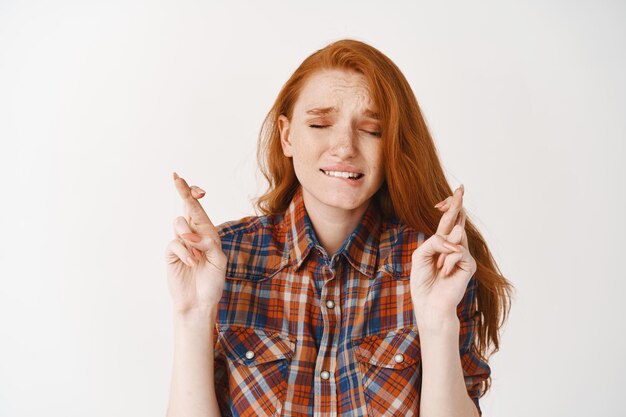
{"points": [[176, 251], [181, 226], [440, 260], [459, 218], [442, 256], [198, 254], [448, 219], [191, 239], [456, 235], [462, 260], [444, 204], [451, 261], [460, 222], [464, 234], [193, 209], [432, 246], [197, 192]]}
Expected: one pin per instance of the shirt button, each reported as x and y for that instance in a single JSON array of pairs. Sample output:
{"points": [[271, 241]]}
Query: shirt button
{"points": [[324, 374], [398, 358], [330, 303], [249, 354]]}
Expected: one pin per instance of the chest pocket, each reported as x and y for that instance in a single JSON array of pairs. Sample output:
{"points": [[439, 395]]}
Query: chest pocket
{"points": [[257, 364], [390, 366]]}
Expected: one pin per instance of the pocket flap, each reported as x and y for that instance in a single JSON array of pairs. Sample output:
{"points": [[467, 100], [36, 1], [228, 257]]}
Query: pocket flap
{"points": [[254, 346], [396, 349]]}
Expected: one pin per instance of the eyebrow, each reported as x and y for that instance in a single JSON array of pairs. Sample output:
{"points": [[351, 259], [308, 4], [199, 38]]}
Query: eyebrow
{"points": [[323, 111]]}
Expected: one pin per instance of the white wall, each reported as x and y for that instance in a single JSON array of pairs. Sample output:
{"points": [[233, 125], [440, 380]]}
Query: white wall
{"points": [[101, 100]]}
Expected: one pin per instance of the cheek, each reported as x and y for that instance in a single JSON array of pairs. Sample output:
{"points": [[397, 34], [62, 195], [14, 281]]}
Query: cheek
{"points": [[305, 149], [375, 153], [304, 157], [380, 168]]}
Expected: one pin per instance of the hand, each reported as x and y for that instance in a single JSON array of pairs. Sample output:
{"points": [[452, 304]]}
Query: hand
{"points": [[437, 287], [196, 265]]}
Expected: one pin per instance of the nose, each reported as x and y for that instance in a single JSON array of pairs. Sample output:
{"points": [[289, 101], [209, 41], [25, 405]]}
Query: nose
{"points": [[344, 144]]}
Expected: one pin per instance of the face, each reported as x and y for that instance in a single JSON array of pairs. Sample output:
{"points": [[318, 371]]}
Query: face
{"points": [[334, 138]]}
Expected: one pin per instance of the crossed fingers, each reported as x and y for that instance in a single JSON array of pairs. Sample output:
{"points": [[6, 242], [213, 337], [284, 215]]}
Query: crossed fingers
{"points": [[195, 231], [452, 223]]}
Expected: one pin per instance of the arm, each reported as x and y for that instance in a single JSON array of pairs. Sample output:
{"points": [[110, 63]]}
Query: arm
{"points": [[196, 268], [452, 371], [445, 304], [444, 393], [192, 391]]}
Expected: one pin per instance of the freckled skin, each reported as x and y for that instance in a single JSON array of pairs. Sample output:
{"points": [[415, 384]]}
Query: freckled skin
{"points": [[345, 140]]}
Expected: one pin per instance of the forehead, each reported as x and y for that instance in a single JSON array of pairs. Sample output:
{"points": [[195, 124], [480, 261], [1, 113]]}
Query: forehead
{"points": [[335, 88]]}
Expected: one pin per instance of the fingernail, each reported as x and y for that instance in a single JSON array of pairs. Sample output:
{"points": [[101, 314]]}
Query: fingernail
{"points": [[200, 190], [462, 189], [191, 236], [451, 246], [439, 204], [176, 176]]}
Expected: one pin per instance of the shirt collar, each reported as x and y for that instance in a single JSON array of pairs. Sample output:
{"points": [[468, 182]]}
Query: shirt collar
{"points": [[360, 248]]}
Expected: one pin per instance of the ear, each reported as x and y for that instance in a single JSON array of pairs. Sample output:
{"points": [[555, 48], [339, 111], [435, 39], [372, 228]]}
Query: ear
{"points": [[283, 127]]}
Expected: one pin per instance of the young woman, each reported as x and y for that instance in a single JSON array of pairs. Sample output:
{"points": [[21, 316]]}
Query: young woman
{"points": [[361, 290]]}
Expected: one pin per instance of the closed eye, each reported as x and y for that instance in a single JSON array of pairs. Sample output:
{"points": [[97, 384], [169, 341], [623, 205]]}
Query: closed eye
{"points": [[376, 134]]}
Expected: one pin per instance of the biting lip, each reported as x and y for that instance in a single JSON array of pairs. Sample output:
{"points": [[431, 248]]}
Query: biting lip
{"points": [[344, 175], [341, 168]]}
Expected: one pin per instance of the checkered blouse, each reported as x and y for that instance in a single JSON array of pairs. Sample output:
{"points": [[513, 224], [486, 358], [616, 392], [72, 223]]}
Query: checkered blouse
{"points": [[299, 334]]}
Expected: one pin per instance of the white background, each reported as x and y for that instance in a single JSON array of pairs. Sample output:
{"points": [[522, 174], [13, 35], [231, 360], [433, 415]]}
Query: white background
{"points": [[100, 101]]}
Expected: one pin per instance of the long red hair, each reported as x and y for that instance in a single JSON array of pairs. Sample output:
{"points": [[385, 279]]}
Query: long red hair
{"points": [[414, 178]]}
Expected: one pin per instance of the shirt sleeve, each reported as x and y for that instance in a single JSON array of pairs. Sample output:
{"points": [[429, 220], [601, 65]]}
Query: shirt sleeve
{"points": [[475, 369]]}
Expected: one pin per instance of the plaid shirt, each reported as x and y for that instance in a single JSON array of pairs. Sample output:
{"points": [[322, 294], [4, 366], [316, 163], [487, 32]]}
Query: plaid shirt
{"points": [[299, 334]]}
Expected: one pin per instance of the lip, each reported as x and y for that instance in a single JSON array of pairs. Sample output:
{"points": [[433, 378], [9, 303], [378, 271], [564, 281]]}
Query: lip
{"points": [[342, 168], [351, 183]]}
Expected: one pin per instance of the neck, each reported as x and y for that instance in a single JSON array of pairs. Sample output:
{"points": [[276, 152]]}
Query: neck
{"points": [[332, 225]]}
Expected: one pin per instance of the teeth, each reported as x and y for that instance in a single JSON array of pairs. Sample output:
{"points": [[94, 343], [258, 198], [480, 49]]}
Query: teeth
{"points": [[342, 174]]}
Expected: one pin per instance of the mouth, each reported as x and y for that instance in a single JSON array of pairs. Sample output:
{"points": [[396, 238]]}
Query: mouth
{"points": [[354, 176]]}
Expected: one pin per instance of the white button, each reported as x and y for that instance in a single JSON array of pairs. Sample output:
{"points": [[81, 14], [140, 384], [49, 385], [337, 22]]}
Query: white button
{"points": [[324, 374], [398, 358], [249, 354], [330, 303]]}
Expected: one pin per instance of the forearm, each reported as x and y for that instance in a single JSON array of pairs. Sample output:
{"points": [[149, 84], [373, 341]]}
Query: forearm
{"points": [[444, 393], [192, 391]]}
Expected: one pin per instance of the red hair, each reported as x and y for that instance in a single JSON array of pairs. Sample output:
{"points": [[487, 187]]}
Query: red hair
{"points": [[414, 178]]}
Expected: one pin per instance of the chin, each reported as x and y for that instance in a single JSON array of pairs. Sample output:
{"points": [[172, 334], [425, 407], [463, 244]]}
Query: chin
{"points": [[342, 200], [343, 205]]}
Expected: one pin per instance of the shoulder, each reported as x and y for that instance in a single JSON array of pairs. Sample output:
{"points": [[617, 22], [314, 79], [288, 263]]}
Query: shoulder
{"points": [[398, 241], [245, 225], [254, 246]]}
